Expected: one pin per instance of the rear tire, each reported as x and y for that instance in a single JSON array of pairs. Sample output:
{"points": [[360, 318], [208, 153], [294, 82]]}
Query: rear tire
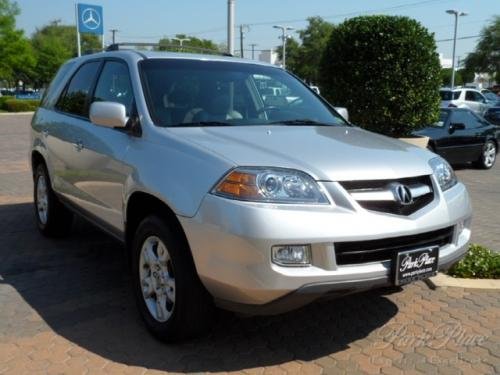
{"points": [[52, 217], [488, 155], [170, 297]]}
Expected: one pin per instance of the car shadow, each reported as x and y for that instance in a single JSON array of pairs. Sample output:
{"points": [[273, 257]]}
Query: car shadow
{"points": [[79, 287]]}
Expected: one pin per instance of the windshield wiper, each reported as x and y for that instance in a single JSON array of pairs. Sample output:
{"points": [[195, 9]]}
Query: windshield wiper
{"points": [[203, 123], [299, 122]]}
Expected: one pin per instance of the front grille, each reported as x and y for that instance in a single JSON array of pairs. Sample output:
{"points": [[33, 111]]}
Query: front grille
{"points": [[391, 206], [384, 249]]}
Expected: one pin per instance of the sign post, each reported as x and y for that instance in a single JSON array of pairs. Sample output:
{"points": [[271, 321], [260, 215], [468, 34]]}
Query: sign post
{"points": [[89, 20]]}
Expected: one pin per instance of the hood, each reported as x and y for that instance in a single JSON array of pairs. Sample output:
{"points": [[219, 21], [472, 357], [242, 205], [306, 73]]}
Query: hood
{"points": [[327, 153]]}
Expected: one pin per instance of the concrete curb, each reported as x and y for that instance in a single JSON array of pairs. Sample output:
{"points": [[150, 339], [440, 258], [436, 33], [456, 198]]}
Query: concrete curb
{"points": [[441, 280], [15, 113]]}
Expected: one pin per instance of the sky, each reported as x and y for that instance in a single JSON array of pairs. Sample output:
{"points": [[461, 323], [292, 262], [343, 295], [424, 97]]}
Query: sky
{"points": [[150, 20]]}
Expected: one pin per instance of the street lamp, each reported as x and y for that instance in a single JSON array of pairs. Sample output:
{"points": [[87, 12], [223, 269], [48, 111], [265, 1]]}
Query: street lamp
{"points": [[284, 36], [181, 40], [457, 14]]}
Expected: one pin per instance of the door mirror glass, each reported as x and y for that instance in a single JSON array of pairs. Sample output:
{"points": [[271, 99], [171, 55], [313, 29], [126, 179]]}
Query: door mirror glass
{"points": [[108, 114], [456, 126], [343, 112]]}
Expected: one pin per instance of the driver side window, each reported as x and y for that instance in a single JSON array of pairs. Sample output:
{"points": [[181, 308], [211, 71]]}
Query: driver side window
{"points": [[114, 85]]}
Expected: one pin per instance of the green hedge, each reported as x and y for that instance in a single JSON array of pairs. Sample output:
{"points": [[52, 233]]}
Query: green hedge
{"points": [[479, 263], [385, 70], [18, 105]]}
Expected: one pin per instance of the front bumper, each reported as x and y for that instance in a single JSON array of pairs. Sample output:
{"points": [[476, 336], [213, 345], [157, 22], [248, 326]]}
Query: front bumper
{"points": [[231, 245]]}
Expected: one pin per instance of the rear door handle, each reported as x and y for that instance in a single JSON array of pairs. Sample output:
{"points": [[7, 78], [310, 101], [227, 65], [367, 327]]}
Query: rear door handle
{"points": [[78, 145]]}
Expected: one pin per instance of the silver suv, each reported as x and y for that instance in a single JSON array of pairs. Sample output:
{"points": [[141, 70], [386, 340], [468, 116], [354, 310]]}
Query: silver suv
{"points": [[227, 197]]}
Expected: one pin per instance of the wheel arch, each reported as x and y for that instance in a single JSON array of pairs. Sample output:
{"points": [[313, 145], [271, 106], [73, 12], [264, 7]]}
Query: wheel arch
{"points": [[37, 159], [141, 204]]}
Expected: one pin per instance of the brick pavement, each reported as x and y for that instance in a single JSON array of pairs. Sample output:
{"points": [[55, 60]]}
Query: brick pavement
{"points": [[66, 308]]}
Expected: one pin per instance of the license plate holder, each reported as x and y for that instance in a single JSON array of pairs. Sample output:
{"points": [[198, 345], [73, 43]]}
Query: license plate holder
{"points": [[415, 264]]}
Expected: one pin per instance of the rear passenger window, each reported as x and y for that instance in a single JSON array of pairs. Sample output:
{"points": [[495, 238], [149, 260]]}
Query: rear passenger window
{"points": [[114, 85], [75, 98]]}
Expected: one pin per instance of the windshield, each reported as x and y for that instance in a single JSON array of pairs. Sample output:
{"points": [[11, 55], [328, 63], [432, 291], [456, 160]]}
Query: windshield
{"points": [[491, 96], [446, 94], [182, 92]]}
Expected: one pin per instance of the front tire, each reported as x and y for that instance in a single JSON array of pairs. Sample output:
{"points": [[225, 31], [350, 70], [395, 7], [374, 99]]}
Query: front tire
{"points": [[170, 297], [52, 217], [488, 155]]}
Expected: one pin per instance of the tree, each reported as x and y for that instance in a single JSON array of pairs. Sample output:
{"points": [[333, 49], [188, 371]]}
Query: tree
{"points": [[16, 55], [486, 56], [54, 44], [386, 71], [292, 55], [446, 77], [303, 58], [194, 44], [314, 40], [466, 74]]}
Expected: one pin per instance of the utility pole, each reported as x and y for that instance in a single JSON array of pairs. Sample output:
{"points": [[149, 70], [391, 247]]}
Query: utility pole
{"points": [[230, 26], [284, 37], [253, 49], [457, 14], [113, 34], [243, 29]]}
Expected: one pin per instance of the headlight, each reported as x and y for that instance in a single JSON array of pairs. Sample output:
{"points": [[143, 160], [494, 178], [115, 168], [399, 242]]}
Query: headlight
{"points": [[271, 185], [443, 172]]}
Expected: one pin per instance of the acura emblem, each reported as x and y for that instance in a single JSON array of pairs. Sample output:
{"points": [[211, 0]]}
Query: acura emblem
{"points": [[402, 193]]}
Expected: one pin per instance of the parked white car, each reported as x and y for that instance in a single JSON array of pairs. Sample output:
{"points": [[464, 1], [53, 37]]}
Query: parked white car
{"points": [[471, 99]]}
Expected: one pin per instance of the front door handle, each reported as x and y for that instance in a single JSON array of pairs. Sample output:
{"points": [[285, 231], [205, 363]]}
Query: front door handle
{"points": [[78, 145]]}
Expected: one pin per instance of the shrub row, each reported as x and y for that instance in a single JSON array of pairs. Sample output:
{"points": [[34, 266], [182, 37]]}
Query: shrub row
{"points": [[479, 263], [16, 105]]}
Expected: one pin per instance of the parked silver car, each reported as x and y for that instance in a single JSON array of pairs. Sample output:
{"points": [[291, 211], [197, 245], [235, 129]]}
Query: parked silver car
{"points": [[224, 199], [471, 99]]}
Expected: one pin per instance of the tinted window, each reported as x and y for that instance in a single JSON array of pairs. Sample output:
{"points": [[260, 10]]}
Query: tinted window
{"points": [[49, 97], [446, 94], [195, 92], [114, 85], [467, 118], [74, 99], [493, 115], [456, 95], [473, 96]]}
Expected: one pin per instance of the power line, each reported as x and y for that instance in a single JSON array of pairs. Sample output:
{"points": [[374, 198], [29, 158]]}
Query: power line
{"points": [[463, 37], [296, 20]]}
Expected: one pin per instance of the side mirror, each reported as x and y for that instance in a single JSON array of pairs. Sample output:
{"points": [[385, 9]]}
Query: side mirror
{"points": [[456, 126], [108, 114]]}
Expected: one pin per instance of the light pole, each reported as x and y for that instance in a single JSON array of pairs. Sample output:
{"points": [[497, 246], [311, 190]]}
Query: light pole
{"points": [[457, 14], [284, 36], [253, 49], [113, 34], [181, 40], [230, 26]]}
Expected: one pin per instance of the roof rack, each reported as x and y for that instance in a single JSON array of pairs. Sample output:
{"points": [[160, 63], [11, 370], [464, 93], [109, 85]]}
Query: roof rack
{"points": [[166, 46]]}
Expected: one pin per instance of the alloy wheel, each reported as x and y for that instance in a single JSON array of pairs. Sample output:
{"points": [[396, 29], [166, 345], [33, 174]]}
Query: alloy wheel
{"points": [[42, 199], [157, 279], [489, 154]]}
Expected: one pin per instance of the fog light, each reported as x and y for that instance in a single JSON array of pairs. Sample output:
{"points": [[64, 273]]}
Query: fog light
{"points": [[291, 255]]}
